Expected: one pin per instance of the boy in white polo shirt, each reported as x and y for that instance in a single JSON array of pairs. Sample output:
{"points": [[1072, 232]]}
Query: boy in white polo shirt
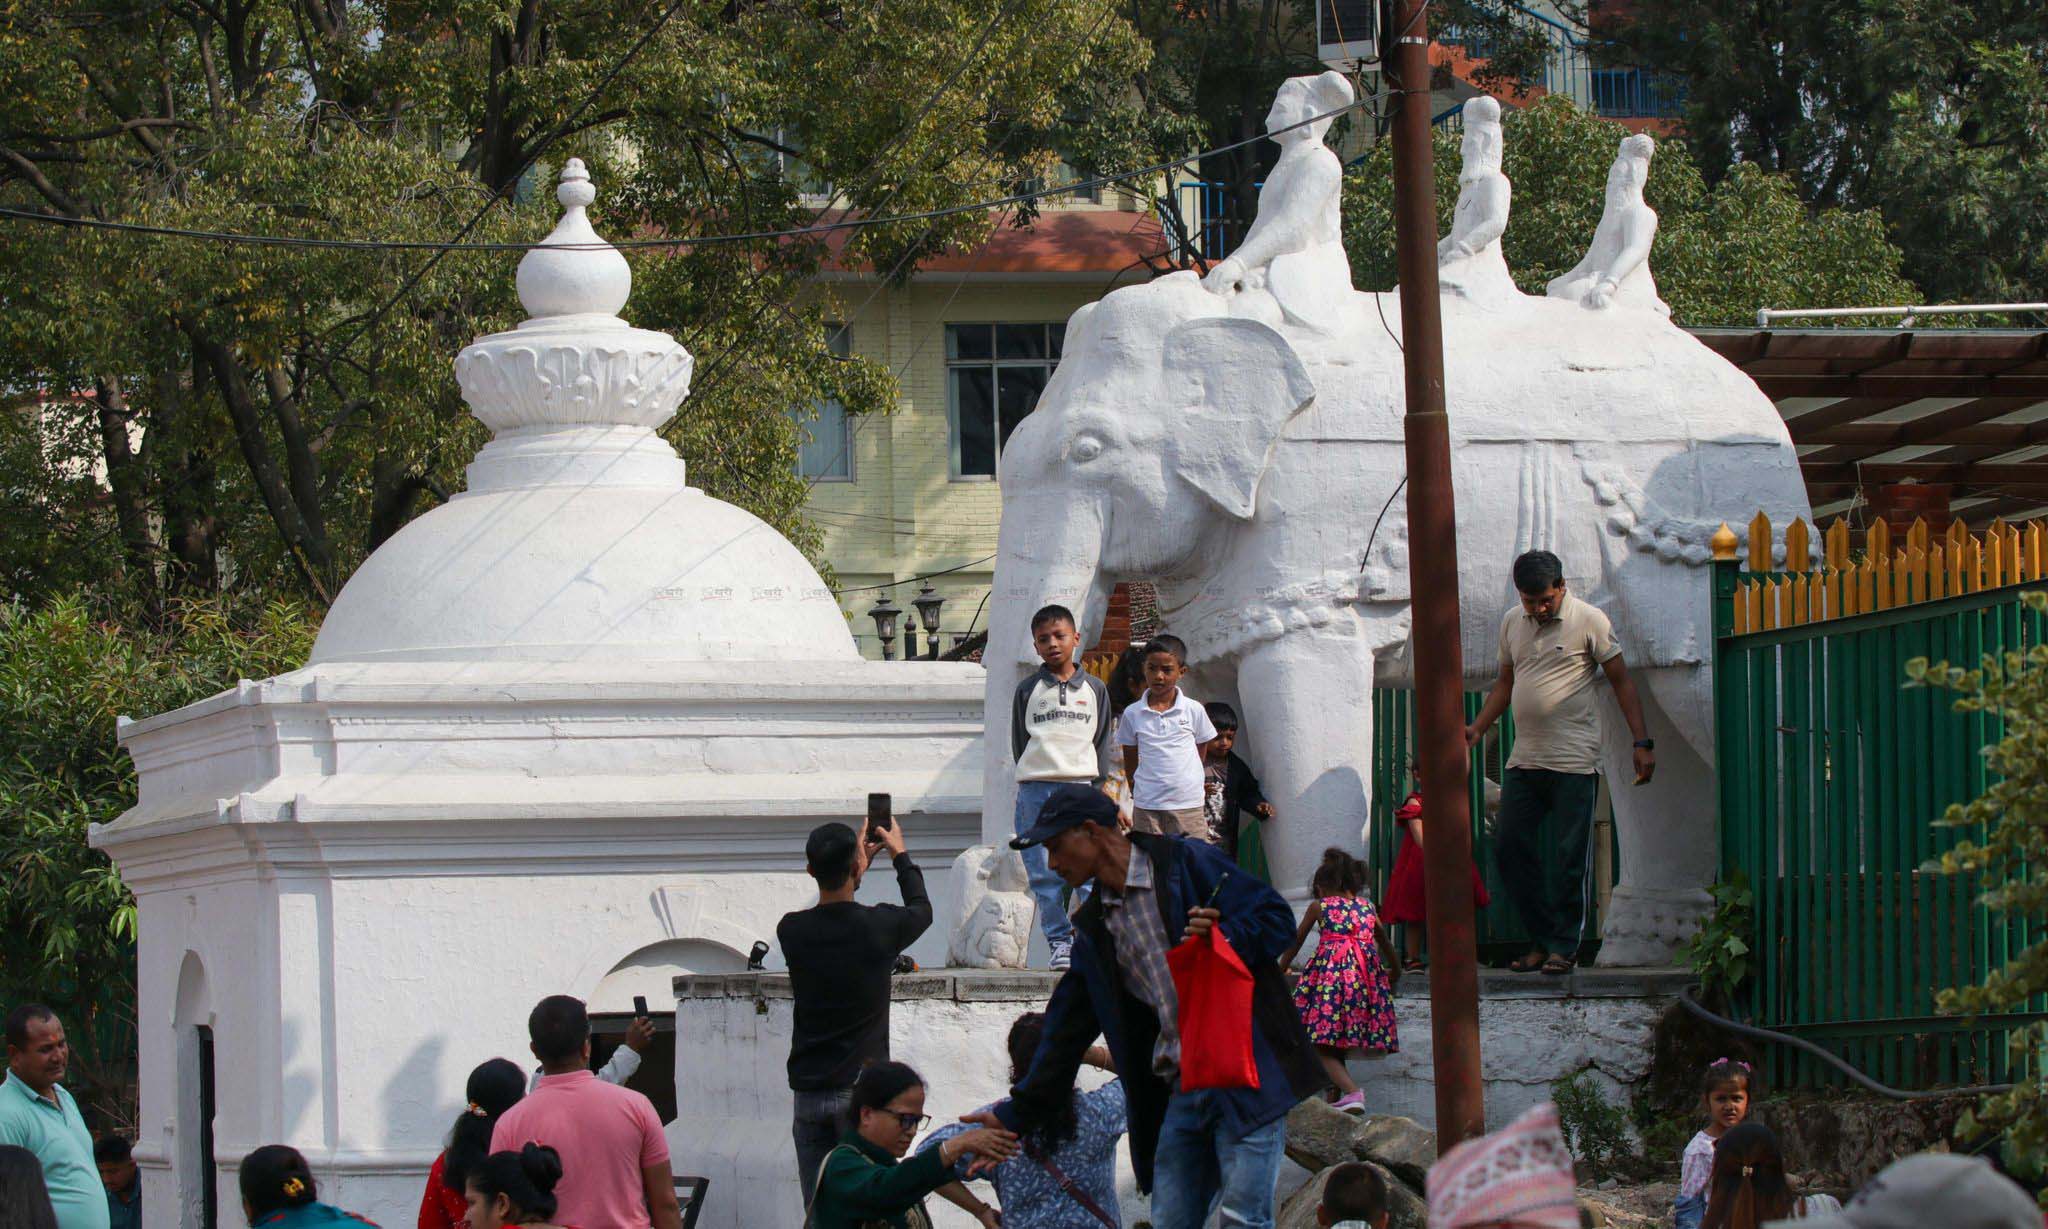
{"points": [[1163, 737]]}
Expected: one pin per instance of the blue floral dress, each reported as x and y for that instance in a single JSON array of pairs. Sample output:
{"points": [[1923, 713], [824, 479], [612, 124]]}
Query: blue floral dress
{"points": [[1343, 996], [1026, 1191]]}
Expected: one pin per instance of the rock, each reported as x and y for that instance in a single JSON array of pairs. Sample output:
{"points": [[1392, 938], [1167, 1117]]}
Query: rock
{"points": [[1319, 1136], [1405, 1209], [1401, 1145], [1601, 1214], [1852, 1137], [1628, 1207]]}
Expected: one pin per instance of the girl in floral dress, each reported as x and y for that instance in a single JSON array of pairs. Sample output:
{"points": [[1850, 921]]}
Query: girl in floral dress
{"points": [[1345, 997]]}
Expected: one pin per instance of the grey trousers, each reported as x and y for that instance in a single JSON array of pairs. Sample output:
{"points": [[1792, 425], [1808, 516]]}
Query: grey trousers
{"points": [[816, 1125]]}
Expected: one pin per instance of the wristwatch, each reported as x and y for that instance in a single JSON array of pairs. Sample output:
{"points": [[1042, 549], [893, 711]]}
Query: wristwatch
{"points": [[1646, 744]]}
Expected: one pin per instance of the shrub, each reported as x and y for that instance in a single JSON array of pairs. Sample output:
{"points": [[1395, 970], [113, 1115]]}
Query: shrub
{"points": [[1594, 1128], [2011, 855], [66, 672]]}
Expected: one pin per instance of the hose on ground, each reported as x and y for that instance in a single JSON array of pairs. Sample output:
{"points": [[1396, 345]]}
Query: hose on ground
{"points": [[1691, 1004]]}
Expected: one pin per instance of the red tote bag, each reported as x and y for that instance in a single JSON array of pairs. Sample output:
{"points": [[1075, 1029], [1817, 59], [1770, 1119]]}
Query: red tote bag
{"points": [[1215, 992]]}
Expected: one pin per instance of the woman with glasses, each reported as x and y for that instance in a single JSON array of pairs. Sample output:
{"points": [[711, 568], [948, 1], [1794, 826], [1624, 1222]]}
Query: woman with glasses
{"points": [[866, 1184]]}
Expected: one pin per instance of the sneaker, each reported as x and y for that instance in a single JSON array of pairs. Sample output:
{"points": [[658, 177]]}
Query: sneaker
{"points": [[1351, 1103], [1062, 957]]}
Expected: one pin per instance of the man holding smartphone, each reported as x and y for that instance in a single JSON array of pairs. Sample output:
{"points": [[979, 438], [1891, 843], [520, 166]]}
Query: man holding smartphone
{"points": [[840, 955]]}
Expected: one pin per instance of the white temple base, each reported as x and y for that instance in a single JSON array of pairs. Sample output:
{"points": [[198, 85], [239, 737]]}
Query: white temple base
{"points": [[355, 881], [950, 1025]]}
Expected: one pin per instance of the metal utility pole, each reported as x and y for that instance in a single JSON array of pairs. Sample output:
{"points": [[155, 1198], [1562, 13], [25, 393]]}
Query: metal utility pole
{"points": [[1433, 580]]}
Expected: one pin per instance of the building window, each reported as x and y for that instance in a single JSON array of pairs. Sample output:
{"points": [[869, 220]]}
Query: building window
{"points": [[825, 449], [994, 374]]}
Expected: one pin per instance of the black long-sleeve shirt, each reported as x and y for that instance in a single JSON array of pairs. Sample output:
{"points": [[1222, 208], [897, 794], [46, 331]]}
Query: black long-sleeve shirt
{"points": [[840, 957]]}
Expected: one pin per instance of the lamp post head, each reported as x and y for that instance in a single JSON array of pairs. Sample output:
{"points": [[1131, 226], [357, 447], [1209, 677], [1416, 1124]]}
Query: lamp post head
{"points": [[885, 614], [928, 603]]}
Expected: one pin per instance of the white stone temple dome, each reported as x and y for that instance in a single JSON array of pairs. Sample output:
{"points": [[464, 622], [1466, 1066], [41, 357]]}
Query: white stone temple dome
{"points": [[578, 538], [552, 574]]}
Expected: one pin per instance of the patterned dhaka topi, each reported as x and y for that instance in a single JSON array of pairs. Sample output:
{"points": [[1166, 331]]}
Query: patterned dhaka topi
{"points": [[1519, 1177]]}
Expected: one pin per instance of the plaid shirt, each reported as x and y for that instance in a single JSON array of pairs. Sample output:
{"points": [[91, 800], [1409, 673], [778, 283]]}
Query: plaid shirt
{"points": [[1132, 916]]}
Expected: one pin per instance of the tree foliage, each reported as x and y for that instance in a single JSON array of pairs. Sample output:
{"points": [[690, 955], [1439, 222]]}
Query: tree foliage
{"points": [[265, 416], [67, 671], [2007, 852], [1721, 252], [1936, 114], [1215, 66]]}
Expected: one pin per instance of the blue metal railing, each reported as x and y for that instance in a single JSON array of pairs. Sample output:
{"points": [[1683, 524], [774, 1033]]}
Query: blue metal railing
{"points": [[1627, 92], [1203, 207]]}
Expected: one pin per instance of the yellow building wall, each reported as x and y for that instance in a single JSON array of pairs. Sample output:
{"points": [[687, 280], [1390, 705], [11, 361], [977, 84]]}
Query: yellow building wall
{"points": [[902, 515]]}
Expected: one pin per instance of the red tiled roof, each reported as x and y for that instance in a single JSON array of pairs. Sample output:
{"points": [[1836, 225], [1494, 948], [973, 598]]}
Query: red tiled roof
{"points": [[1105, 241]]}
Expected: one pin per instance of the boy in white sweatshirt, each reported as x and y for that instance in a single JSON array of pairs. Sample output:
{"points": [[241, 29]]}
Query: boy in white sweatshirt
{"points": [[1059, 735]]}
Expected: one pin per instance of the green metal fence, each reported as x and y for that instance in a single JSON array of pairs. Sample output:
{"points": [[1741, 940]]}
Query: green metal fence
{"points": [[1502, 936], [1831, 775]]}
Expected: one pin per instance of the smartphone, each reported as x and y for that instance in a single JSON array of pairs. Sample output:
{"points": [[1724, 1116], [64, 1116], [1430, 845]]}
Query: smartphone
{"points": [[879, 819], [640, 1006]]}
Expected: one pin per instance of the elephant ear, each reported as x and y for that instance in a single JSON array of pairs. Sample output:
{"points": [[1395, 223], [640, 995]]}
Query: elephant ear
{"points": [[1232, 384]]}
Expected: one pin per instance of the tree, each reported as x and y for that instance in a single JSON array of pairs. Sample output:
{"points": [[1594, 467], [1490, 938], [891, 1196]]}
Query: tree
{"points": [[273, 413], [1934, 114], [1721, 252], [2008, 856], [67, 671], [1213, 69]]}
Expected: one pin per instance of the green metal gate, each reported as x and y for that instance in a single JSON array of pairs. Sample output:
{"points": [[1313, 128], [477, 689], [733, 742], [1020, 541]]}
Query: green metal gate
{"points": [[1502, 936], [1831, 775]]}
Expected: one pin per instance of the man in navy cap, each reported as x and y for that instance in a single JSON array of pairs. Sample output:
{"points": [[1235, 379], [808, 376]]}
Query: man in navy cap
{"points": [[1193, 1150]]}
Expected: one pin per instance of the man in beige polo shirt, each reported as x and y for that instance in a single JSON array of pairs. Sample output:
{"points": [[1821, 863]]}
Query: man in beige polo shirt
{"points": [[1552, 647]]}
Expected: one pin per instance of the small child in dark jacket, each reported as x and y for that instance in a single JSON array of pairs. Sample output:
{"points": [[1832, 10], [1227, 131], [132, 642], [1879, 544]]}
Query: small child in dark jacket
{"points": [[1230, 788]]}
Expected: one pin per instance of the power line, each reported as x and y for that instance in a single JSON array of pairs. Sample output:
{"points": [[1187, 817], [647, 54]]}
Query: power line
{"points": [[814, 230], [911, 580]]}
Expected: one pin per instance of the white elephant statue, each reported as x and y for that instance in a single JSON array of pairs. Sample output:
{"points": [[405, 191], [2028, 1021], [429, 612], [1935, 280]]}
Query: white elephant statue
{"points": [[1251, 469]]}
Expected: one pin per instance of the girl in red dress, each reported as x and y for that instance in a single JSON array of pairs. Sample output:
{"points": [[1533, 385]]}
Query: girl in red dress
{"points": [[1407, 899], [494, 1087]]}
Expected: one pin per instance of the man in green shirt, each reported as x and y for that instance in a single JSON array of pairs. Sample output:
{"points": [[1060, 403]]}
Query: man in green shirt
{"points": [[37, 1114], [116, 1158]]}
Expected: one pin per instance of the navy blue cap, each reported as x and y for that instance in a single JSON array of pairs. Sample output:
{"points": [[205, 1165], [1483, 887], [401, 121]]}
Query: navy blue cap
{"points": [[1070, 806]]}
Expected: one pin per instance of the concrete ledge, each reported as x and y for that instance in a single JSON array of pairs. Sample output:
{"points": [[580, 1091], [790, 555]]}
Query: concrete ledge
{"points": [[1036, 985], [1582, 983], [950, 985]]}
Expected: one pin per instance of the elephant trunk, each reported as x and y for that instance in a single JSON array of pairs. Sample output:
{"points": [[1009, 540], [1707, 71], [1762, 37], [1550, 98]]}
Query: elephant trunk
{"points": [[1048, 551]]}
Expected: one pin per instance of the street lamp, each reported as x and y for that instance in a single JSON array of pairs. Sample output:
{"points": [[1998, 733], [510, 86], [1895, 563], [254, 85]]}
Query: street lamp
{"points": [[928, 603], [884, 614]]}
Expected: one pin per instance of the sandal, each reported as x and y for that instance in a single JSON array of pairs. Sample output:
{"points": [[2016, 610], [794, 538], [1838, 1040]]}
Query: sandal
{"points": [[1526, 964], [1558, 966], [1414, 964]]}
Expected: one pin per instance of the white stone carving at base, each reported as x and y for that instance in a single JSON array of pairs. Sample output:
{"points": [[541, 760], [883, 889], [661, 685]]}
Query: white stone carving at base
{"points": [[1293, 255], [992, 922], [1469, 259], [1651, 928], [1616, 267]]}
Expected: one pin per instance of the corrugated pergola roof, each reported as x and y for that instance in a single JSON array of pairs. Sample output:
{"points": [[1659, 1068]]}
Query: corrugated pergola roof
{"points": [[1967, 407]]}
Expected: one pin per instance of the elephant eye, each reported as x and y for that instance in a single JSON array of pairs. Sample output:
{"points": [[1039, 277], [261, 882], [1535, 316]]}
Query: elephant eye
{"points": [[1086, 448]]}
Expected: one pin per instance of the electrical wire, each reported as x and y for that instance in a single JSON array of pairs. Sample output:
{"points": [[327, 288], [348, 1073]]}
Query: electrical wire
{"points": [[911, 580], [812, 231]]}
